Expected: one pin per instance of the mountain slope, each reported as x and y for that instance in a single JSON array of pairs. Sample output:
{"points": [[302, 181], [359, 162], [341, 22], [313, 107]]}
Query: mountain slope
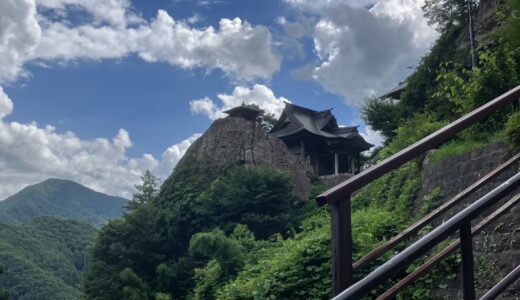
{"points": [[61, 199], [44, 258]]}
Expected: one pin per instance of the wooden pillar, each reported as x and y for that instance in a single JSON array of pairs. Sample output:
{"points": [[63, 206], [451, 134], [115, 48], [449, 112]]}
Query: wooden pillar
{"points": [[353, 164], [302, 149], [336, 163], [341, 228]]}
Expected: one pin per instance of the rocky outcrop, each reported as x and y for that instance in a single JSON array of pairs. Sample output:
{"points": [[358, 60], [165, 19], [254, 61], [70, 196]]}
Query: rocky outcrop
{"points": [[238, 141], [485, 23]]}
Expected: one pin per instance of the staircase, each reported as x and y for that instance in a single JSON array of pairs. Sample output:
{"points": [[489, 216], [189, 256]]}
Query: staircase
{"points": [[339, 197]]}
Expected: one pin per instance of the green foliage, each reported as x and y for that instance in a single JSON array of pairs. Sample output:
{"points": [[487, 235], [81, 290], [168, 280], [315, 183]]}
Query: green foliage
{"points": [[4, 295], [133, 287], [458, 147], [411, 131], [147, 191], [512, 130], [511, 28], [225, 251], [153, 240], [61, 199], [260, 198], [430, 201], [422, 83], [447, 13], [467, 90], [382, 115], [44, 259]]}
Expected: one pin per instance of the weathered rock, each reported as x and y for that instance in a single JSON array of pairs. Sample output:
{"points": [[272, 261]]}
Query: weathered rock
{"points": [[485, 24], [236, 140]]}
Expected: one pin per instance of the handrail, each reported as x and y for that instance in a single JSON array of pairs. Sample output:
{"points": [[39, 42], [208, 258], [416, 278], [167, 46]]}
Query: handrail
{"points": [[434, 214], [450, 249], [339, 196], [461, 221], [502, 285], [349, 186]]}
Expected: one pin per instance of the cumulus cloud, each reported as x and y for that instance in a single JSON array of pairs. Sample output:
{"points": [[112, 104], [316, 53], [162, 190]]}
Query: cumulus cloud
{"points": [[260, 95], [240, 50], [114, 12], [30, 153], [237, 48], [6, 105], [372, 136], [364, 51], [19, 35]]}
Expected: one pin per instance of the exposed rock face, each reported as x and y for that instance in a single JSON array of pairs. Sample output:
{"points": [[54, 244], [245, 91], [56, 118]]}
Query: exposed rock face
{"points": [[236, 140], [497, 249], [485, 23]]}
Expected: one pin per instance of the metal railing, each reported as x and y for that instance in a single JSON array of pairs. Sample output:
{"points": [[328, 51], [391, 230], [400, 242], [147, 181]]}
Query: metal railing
{"points": [[339, 196]]}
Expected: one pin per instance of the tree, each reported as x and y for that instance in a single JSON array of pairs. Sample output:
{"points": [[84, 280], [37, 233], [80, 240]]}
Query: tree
{"points": [[3, 293], [444, 14], [147, 190], [261, 198], [381, 115]]}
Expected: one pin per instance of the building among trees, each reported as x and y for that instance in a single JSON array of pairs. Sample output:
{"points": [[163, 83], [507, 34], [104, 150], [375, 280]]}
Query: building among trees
{"points": [[316, 137]]}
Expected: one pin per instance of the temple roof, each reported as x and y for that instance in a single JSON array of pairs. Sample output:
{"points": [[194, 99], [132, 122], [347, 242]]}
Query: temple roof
{"points": [[296, 119], [396, 92], [244, 111]]}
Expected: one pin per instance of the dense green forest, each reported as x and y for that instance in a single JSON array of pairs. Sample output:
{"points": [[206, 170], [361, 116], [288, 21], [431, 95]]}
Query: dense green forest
{"points": [[239, 235], [61, 199], [44, 258]]}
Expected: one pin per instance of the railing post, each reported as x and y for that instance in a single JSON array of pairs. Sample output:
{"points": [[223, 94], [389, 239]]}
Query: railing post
{"points": [[341, 228], [466, 250]]}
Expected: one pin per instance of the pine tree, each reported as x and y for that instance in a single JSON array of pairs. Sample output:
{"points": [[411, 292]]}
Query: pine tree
{"points": [[146, 191]]}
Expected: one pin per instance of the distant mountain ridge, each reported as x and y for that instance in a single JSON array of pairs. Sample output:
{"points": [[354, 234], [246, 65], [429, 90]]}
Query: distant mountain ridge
{"points": [[62, 199], [44, 258]]}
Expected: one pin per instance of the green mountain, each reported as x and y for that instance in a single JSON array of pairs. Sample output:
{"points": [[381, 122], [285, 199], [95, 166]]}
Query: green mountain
{"points": [[44, 258], [61, 199]]}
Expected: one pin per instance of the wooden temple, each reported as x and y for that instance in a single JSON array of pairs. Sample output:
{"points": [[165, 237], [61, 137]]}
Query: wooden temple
{"points": [[315, 136], [246, 112]]}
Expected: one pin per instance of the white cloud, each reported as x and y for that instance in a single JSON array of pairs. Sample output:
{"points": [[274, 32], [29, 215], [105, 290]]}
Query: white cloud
{"points": [[372, 136], [112, 11], [260, 95], [240, 50], [364, 51], [6, 105], [317, 5], [30, 153], [19, 35]]}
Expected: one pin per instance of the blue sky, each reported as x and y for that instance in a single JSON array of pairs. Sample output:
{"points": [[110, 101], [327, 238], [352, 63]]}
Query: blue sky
{"points": [[99, 90]]}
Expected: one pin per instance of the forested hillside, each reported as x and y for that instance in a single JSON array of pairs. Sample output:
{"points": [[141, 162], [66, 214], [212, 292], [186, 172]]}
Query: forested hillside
{"points": [[61, 199], [237, 234], [44, 258]]}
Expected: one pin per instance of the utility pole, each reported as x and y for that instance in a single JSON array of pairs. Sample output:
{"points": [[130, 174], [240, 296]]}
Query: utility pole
{"points": [[471, 37]]}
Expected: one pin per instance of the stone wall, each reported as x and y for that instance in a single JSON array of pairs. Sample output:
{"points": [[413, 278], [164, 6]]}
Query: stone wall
{"points": [[497, 249]]}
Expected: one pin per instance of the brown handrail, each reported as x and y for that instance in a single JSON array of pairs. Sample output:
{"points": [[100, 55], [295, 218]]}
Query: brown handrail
{"points": [[349, 186], [339, 196], [382, 249], [430, 263]]}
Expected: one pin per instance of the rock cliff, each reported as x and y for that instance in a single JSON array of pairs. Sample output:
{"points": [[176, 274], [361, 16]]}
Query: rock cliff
{"points": [[238, 141]]}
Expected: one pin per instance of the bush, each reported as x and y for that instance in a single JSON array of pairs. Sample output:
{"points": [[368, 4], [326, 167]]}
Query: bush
{"points": [[512, 130]]}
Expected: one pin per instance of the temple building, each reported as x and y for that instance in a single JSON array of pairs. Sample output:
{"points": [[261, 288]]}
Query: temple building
{"points": [[249, 113], [316, 137]]}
